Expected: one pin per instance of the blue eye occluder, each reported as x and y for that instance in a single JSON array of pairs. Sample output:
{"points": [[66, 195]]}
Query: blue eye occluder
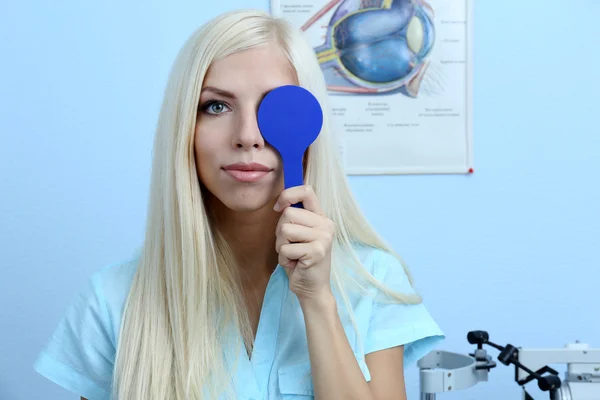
{"points": [[290, 118]]}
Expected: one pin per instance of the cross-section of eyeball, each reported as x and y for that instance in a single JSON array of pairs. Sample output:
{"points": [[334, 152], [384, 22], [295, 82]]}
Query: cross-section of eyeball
{"points": [[377, 46]]}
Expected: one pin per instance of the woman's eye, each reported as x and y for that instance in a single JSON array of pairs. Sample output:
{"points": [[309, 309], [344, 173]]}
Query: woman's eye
{"points": [[215, 108]]}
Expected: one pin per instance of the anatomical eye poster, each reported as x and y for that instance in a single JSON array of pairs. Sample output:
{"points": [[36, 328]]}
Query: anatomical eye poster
{"points": [[399, 77]]}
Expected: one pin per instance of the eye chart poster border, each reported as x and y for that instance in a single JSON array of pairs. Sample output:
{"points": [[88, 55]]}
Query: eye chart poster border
{"points": [[399, 76]]}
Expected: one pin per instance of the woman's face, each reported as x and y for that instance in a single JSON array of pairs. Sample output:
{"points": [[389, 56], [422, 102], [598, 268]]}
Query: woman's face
{"points": [[232, 160]]}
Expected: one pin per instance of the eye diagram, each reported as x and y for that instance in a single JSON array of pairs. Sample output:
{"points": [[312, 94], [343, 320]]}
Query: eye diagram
{"points": [[376, 46]]}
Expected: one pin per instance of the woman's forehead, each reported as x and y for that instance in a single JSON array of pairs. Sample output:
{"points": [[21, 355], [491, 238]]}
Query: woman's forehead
{"points": [[260, 68], [258, 63]]}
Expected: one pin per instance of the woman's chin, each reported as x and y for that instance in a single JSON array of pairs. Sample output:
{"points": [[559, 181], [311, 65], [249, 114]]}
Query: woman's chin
{"points": [[244, 199], [248, 208], [248, 204]]}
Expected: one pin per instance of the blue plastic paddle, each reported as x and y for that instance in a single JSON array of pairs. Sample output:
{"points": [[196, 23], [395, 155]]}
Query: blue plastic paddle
{"points": [[290, 118]]}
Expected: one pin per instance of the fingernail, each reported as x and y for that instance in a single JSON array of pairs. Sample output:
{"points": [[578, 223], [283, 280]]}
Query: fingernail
{"points": [[276, 207]]}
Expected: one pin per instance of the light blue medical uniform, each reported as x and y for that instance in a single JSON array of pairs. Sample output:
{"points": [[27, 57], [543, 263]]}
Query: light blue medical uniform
{"points": [[80, 354]]}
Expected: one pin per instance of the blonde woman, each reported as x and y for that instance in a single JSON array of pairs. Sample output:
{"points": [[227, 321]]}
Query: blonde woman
{"points": [[235, 294]]}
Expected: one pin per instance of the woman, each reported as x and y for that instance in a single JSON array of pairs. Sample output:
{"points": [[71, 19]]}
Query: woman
{"points": [[235, 293]]}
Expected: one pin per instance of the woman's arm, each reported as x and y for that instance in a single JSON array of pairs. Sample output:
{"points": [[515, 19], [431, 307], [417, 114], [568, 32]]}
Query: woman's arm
{"points": [[387, 373], [335, 372]]}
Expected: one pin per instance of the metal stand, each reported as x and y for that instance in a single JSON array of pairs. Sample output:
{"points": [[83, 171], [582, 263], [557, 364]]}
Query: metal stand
{"points": [[443, 371]]}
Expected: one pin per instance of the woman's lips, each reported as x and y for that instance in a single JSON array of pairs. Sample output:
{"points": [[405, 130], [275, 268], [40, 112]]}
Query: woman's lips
{"points": [[247, 172], [246, 176]]}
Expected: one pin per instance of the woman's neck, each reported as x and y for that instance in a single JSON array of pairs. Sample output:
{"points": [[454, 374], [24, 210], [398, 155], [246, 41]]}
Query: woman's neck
{"points": [[251, 236]]}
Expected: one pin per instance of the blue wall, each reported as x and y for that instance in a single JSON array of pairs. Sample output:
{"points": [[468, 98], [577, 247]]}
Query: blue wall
{"points": [[512, 248]]}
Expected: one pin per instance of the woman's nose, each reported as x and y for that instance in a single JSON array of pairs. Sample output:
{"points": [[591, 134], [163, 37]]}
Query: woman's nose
{"points": [[248, 134]]}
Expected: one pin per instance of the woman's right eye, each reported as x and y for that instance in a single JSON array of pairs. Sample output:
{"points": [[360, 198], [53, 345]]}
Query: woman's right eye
{"points": [[215, 107]]}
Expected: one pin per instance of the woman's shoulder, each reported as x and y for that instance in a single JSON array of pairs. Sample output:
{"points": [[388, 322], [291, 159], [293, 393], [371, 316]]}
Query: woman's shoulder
{"points": [[80, 353], [119, 271], [384, 324], [112, 284], [379, 262]]}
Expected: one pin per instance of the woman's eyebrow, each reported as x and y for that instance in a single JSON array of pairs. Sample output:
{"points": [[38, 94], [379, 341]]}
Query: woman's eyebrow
{"points": [[218, 91]]}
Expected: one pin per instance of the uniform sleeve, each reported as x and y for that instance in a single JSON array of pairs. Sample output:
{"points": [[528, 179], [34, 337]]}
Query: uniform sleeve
{"points": [[80, 354], [394, 325]]}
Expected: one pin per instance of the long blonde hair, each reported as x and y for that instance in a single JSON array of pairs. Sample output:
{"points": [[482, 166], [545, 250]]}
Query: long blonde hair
{"points": [[185, 292]]}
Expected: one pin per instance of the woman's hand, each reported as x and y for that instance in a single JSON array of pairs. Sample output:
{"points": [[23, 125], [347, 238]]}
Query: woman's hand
{"points": [[304, 239]]}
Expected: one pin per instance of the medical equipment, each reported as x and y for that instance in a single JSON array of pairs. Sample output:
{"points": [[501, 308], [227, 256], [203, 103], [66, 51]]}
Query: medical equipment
{"points": [[443, 371]]}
